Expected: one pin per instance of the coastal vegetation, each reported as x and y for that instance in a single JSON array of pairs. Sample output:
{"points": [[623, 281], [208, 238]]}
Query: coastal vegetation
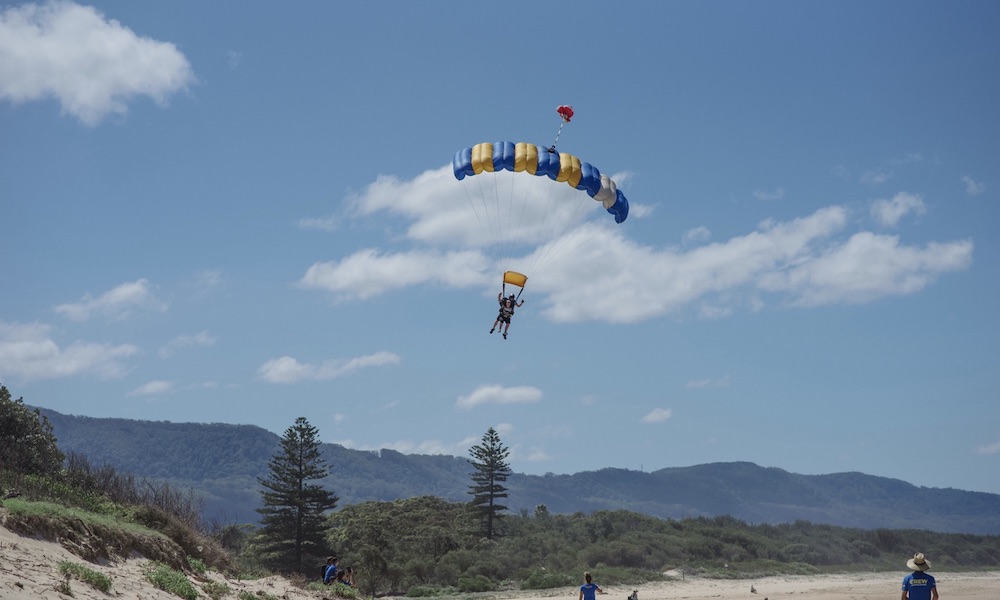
{"points": [[419, 546]]}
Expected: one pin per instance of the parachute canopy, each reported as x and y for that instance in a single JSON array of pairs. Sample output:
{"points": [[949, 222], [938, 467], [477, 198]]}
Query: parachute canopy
{"points": [[522, 157], [515, 278]]}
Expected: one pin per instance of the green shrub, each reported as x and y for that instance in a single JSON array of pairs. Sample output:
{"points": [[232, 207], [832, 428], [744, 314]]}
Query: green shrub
{"points": [[164, 578], [544, 580], [215, 590], [477, 583], [98, 581], [197, 565], [422, 591]]}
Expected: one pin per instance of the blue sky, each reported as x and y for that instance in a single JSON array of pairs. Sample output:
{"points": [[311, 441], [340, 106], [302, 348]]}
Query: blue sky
{"points": [[242, 212]]}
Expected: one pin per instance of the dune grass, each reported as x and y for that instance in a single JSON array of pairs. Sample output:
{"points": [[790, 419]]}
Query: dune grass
{"points": [[94, 579]]}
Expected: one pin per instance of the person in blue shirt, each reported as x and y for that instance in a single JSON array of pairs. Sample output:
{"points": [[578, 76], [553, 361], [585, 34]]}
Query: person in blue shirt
{"points": [[331, 571], [589, 589], [919, 585]]}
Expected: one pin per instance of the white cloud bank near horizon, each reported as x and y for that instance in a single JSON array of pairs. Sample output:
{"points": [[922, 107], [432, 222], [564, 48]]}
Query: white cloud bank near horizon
{"points": [[91, 65], [601, 274], [28, 353]]}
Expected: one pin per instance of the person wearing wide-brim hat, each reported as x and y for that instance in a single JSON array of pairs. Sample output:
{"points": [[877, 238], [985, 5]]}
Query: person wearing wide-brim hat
{"points": [[919, 585]]}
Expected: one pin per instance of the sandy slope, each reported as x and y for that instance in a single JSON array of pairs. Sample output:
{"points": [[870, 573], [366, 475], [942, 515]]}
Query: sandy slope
{"points": [[29, 570]]}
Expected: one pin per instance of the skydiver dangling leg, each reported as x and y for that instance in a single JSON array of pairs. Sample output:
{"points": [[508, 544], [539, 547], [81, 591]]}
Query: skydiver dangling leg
{"points": [[503, 314]]}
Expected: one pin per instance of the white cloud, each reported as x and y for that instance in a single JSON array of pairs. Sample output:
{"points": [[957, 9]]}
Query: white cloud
{"points": [[28, 352], [457, 448], [92, 65], [973, 187], [711, 311], [595, 272], [432, 447], [208, 278], [117, 303], [153, 388], [530, 454], [993, 448], [328, 223], [889, 212], [657, 415], [696, 235], [505, 429], [708, 383], [288, 370], [201, 338], [769, 196], [875, 177], [497, 394], [865, 268], [519, 208], [369, 272]]}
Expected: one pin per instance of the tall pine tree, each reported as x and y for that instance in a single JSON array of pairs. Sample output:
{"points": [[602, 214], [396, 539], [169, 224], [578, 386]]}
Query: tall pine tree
{"points": [[491, 470], [293, 527]]}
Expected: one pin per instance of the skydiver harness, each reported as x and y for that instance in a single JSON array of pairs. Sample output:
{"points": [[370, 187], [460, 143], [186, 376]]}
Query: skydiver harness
{"points": [[506, 308]]}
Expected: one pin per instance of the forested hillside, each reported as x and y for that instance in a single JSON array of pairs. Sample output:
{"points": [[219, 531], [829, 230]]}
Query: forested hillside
{"points": [[222, 462]]}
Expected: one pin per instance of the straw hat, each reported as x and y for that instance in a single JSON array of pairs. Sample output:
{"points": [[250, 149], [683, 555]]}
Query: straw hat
{"points": [[918, 563]]}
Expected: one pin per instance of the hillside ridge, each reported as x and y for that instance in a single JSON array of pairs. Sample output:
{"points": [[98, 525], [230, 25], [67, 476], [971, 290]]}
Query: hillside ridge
{"points": [[222, 463]]}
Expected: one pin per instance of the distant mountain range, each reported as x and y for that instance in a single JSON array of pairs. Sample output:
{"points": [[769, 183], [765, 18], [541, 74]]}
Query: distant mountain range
{"points": [[221, 462]]}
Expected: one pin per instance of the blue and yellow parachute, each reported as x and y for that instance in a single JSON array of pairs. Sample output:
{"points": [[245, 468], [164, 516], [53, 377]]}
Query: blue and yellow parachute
{"points": [[536, 160]]}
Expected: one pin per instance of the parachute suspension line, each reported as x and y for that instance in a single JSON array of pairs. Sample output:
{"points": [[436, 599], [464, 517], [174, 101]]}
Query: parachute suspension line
{"points": [[552, 148], [480, 216], [548, 225], [491, 204], [498, 196], [575, 235], [565, 112], [521, 197], [510, 224], [503, 291], [481, 209]]}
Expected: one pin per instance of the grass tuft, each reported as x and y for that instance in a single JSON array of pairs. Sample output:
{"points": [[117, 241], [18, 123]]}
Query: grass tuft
{"points": [[216, 590], [245, 595], [98, 581], [171, 581]]}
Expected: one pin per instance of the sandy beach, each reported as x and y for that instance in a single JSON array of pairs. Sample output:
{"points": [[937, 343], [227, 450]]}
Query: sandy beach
{"points": [[854, 586], [29, 570]]}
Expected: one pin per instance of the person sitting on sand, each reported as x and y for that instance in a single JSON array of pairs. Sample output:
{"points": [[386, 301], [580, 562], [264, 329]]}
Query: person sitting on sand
{"points": [[331, 571]]}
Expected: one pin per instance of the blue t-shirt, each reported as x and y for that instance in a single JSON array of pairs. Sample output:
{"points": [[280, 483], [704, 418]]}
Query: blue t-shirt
{"points": [[918, 585], [331, 574], [589, 591]]}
